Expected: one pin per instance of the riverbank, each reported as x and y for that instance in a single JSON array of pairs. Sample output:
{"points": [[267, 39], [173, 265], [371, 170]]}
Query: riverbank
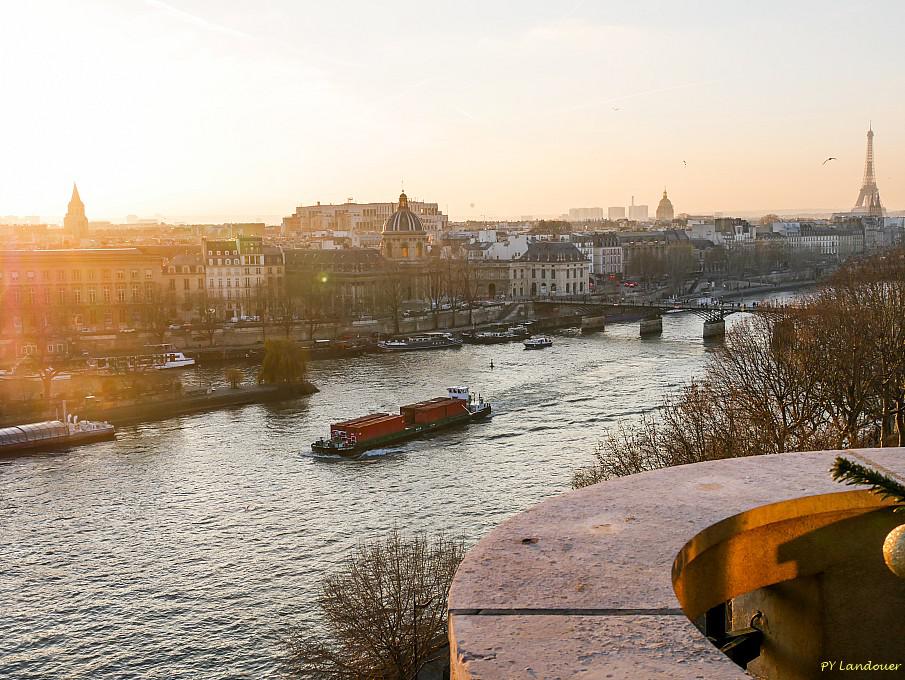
{"points": [[766, 290], [159, 407]]}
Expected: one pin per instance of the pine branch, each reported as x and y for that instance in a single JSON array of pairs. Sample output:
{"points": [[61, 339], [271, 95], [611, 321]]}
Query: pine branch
{"points": [[851, 473]]}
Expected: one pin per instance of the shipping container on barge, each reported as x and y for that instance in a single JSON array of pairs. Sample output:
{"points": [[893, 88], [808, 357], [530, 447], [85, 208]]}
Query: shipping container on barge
{"points": [[352, 437]]}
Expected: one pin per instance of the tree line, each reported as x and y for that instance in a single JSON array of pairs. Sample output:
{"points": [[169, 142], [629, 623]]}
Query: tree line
{"points": [[827, 373]]}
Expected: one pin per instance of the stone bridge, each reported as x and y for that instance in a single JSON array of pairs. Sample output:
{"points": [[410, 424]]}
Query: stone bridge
{"points": [[649, 314]]}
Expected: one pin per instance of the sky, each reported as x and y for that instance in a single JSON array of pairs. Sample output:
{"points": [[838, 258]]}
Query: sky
{"points": [[243, 110]]}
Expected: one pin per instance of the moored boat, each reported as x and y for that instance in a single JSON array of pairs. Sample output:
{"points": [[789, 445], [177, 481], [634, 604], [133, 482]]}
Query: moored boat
{"points": [[420, 342], [351, 437], [492, 337], [53, 434], [538, 342]]}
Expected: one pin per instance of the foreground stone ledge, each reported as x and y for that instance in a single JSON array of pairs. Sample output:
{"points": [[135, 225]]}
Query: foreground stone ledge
{"points": [[581, 585]]}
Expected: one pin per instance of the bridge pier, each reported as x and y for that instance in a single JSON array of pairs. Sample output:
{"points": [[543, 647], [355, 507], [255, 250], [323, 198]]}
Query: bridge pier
{"points": [[714, 328], [652, 326], [589, 324]]}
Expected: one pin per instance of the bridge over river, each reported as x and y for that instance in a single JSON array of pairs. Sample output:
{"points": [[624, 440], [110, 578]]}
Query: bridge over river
{"points": [[596, 312]]}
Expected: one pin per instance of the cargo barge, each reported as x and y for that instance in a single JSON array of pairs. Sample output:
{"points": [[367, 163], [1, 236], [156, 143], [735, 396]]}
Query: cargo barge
{"points": [[352, 437]]}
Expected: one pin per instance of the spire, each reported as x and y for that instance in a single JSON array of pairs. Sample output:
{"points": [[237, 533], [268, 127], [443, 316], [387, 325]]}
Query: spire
{"points": [[76, 199], [403, 201]]}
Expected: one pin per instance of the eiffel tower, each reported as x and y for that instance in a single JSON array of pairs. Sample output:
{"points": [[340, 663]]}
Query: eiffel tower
{"points": [[868, 202]]}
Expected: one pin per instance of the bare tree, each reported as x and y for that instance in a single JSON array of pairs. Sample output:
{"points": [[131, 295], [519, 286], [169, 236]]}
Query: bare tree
{"points": [[210, 313], [392, 293], [436, 287], [829, 373], [383, 612]]}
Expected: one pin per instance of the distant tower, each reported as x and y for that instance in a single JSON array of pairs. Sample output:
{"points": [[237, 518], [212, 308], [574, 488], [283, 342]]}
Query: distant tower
{"points": [[869, 198], [75, 223], [665, 212]]}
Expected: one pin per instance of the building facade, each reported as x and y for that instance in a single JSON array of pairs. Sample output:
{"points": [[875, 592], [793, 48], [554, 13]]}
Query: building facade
{"points": [[49, 296], [549, 268], [237, 275], [360, 217]]}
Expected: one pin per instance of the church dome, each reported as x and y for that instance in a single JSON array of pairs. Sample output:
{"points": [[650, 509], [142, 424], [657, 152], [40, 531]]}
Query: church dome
{"points": [[403, 220], [665, 211]]}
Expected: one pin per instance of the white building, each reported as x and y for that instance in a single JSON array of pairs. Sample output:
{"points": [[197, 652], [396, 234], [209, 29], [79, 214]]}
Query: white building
{"points": [[615, 213], [236, 273], [585, 214], [603, 253], [702, 227], [638, 213], [549, 268]]}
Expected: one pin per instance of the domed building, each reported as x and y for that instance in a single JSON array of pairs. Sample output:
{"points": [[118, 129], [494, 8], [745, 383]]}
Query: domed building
{"points": [[404, 238], [665, 212]]}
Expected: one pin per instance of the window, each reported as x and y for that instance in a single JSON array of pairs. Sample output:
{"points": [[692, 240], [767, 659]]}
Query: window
{"points": [[133, 274], [106, 293], [120, 275], [76, 275], [77, 296], [121, 294], [45, 275], [92, 295], [61, 296], [185, 284]]}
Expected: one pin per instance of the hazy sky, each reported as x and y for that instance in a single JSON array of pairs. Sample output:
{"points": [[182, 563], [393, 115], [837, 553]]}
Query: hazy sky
{"points": [[245, 109]]}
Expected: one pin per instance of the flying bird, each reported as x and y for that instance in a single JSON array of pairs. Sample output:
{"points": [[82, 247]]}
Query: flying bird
{"points": [[831, 158], [616, 108], [685, 164]]}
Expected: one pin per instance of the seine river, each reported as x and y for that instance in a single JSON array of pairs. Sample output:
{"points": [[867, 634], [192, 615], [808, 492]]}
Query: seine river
{"points": [[188, 547]]}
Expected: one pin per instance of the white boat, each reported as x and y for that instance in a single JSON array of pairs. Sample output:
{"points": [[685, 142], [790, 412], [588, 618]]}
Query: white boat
{"points": [[538, 342], [174, 360]]}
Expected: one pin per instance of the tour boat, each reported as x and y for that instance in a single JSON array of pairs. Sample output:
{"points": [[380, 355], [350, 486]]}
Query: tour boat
{"points": [[161, 357], [53, 434], [538, 342], [423, 341], [351, 437]]}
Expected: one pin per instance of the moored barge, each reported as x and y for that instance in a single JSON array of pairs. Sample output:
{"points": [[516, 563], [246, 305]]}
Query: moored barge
{"points": [[352, 437], [53, 434]]}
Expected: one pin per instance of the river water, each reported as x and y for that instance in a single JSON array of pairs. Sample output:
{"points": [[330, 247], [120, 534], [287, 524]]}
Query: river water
{"points": [[187, 547]]}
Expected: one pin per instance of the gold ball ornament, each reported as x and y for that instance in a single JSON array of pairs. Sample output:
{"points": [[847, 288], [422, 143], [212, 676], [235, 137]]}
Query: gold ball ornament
{"points": [[894, 551]]}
